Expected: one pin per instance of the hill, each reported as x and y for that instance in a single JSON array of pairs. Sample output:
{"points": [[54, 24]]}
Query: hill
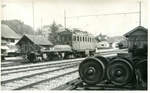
{"points": [[19, 27]]}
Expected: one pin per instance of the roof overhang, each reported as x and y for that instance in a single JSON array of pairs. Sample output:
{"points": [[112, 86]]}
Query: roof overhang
{"points": [[135, 29]]}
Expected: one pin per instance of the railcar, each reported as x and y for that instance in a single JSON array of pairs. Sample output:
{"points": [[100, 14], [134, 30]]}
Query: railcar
{"points": [[82, 43]]}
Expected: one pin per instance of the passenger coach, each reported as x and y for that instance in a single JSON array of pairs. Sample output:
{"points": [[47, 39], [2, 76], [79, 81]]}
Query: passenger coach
{"points": [[82, 43]]}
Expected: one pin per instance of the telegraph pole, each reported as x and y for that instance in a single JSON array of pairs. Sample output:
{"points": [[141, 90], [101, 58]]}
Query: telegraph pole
{"points": [[140, 13], [33, 22], [65, 19], [33, 15], [4, 16]]}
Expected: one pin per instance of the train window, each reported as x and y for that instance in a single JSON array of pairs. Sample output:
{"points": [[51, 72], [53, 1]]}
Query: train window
{"points": [[77, 38], [74, 38], [80, 38], [92, 40], [83, 38], [88, 39]]}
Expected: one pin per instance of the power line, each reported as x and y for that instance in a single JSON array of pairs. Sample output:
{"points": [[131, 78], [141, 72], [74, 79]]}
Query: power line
{"points": [[123, 13]]}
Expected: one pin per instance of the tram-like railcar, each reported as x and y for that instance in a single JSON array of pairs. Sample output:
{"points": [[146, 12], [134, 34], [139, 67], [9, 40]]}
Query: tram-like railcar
{"points": [[82, 43]]}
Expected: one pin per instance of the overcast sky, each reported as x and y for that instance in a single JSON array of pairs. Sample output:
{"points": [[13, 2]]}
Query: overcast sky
{"points": [[46, 11]]}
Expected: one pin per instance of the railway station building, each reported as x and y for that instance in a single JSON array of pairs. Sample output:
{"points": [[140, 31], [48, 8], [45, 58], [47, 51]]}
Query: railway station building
{"points": [[137, 39], [8, 39], [30, 43]]}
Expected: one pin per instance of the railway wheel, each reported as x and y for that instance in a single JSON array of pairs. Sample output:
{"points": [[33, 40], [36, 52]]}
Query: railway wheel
{"points": [[119, 71], [141, 74], [91, 71], [103, 59]]}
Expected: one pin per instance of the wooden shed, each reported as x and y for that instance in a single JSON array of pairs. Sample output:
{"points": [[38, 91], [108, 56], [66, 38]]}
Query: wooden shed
{"points": [[137, 38], [30, 43]]}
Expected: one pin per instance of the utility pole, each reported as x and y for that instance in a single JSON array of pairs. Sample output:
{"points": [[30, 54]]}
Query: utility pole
{"points": [[65, 19], [33, 14], [4, 16], [140, 13], [33, 23]]}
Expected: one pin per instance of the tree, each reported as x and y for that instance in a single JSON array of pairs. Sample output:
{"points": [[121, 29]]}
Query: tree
{"points": [[101, 37], [39, 31], [54, 28]]}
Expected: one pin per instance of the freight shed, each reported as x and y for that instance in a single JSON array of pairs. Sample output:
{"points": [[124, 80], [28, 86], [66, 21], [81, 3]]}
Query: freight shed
{"points": [[30, 43], [137, 39]]}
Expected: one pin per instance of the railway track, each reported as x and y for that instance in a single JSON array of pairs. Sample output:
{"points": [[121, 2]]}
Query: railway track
{"points": [[38, 64], [21, 62], [36, 68], [35, 76], [26, 81]]}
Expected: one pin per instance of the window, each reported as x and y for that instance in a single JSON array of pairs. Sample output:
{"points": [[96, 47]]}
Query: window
{"points": [[80, 38], [77, 38], [83, 38], [88, 39], [74, 38], [92, 40]]}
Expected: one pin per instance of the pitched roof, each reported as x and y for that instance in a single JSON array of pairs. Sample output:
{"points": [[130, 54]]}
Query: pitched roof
{"points": [[135, 29], [7, 32], [37, 39]]}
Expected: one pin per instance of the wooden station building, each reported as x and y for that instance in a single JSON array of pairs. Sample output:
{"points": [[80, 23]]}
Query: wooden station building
{"points": [[29, 43], [137, 39]]}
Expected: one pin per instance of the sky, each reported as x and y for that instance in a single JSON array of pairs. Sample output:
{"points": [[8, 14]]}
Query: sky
{"points": [[87, 15]]}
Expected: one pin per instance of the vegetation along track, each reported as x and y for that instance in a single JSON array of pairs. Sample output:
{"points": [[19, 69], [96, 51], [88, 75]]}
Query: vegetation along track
{"points": [[26, 81]]}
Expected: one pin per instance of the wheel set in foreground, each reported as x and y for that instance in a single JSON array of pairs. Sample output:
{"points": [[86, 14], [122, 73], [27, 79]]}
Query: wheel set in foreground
{"points": [[118, 71]]}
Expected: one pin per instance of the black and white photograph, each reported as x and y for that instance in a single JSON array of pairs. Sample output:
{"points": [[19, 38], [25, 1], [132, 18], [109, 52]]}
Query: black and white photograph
{"points": [[74, 45]]}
